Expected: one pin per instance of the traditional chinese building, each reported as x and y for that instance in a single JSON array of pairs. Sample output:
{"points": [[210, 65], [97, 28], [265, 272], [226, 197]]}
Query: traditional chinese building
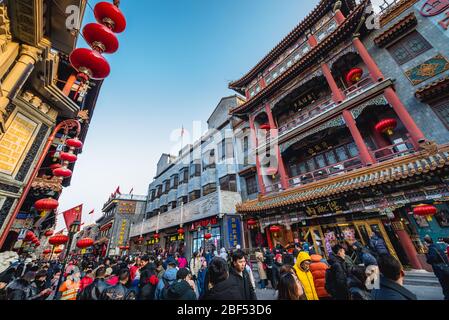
{"points": [[40, 94], [120, 212], [195, 191], [346, 140]]}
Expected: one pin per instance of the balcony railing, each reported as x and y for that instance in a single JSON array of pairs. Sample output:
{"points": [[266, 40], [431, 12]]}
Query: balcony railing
{"points": [[396, 150], [359, 87]]}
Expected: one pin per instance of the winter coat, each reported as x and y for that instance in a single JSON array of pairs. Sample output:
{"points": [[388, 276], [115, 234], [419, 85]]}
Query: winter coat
{"points": [[180, 290], [225, 290], [390, 290], [269, 259], [201, 279], [318, 269], [357, 289], [244, 284], [94, 290], [260, 266], [133, 271], [276, 275], [19, 290], [195, 266], [378, 245], [118, 292], [435, 255], [182, 262], [338, 278], [69, 289], [168, 278], [85, 282], [146, 288], [306, 278]]}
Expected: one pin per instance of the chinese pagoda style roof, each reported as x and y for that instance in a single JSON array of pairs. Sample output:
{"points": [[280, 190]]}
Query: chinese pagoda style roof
{"points": [[394, 10], [432, 90], [344, 30], [317, 13], [389, 171], [398, 29]]}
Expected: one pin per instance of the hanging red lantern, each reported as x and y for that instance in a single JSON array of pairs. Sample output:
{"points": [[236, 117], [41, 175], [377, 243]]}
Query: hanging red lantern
{"points": [[67, 156], [386, 126], [85, 243], [156, 236], [180, 231], [46, 204], [123, 247], [35, 240], [425, 210], [58, 239], [265, 126], [108, 14], [62, 172], [100, 38], [354, 75], [275, 230], [272, 172], [37, 244], [49, 233], [55, 166], [251, 223], [46, 251], [74, 143], [90, 63], [207, 236], [29, 236], [57, 251]]}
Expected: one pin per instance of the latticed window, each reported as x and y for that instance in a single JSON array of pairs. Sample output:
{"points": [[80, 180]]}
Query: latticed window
{"points": [[409, 47], [442, 110], [251, 185]]}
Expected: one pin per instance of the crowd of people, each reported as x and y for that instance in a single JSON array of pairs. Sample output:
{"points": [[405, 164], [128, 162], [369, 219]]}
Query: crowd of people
{"points": [[352, 272]]}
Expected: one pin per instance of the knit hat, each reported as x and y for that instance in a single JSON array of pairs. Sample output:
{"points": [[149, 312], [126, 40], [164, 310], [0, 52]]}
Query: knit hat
{"points": [[278, 256]]}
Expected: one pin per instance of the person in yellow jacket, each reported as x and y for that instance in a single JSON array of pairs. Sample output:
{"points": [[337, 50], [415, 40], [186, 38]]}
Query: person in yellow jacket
{"points": [[302, 270]]}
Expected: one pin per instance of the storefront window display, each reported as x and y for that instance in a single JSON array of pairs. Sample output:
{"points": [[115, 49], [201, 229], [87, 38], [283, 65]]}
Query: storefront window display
{"points": [[212, 244]]}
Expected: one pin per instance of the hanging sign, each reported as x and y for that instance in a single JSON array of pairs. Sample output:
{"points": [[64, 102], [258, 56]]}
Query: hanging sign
{"points": [[234, 231]]}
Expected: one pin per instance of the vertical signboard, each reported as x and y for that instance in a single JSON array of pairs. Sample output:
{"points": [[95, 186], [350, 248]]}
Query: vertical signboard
{"points": [[234, 231]]}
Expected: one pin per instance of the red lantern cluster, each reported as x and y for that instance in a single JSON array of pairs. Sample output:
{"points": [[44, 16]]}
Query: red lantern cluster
{"points": [[354, 75], [46, 251], [46, 204], [29, 236], [386, 126], [58, 240], [49, 233], [85, 243]]}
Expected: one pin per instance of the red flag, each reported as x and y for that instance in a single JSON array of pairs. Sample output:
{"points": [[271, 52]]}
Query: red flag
{"points": [[73, 215], [117, 191], [92, 212]]}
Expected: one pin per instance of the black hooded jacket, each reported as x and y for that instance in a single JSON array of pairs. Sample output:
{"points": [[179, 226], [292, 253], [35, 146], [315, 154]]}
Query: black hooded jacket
{"points": [[244, 283], [224, 290], [180, 290]]}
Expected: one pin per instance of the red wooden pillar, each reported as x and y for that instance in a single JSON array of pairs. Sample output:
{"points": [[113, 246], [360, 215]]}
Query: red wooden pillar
{"points": [[365, 156], [415, 132], [254, 139], [407, 245], [269, 241], [274, 134], [339, 17], [374, 70], [337, 95]]}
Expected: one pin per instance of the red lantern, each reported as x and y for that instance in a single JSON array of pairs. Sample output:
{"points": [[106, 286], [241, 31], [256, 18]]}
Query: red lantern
{"points": [[58, 240], [67, 156], [35, 240], [90, 63], [55, 166], [74, 143], [251, 223], [62, 172], [275, 230], [85, 243], [46, 204], [29, 236], [156, 236], [386, 126], [49, 233], [207, 236], [46, 251], [354, 75], [180, 231], [108, 14], [100, 38], [265, 126], [425, 210], [37, 244], [272, 172], [57, 251], [123, 247]]}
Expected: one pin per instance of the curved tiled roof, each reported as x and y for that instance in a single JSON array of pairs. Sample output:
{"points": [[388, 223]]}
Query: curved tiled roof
{"points": [[317, 13], [393, 170], [397, 30], [433, 89]]}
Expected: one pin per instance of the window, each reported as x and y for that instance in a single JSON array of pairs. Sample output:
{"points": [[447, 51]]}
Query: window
{"points": [[209, 160], [222, 150], [209, 188], [245, 150], [182, 200], [173, 204], [251, 185], [195, 170], [228, 183], [166, 186], [196, 194], [164, 209], [199, 242], [159, 191], [184, 176], [409, 47], [153, 195], [174, 181], [442, 111]]}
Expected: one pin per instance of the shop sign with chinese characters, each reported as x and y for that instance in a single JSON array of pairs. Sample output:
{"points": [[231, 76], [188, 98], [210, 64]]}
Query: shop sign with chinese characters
{"points": [[433, 8], [324, 208], [234, 231]]}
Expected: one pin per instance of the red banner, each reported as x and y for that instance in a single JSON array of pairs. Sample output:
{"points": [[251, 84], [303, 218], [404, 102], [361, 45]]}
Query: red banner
{"points": [[73, 215]]}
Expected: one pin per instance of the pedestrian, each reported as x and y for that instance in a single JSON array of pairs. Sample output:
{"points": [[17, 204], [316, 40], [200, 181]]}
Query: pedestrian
{"points": [[437, 258], [95, 290], [302, 269], [240, 275], [363, 255], [261, 268], [276, 270], [195, 265], [391, 281], [220, 285], [69, 288], [269, 261], [201, 279], [87, 279], [356, 284], [182, 261], [120, 290], [337, 276], [183, 288], [377, 244], [289, 287], [223, 254], [148, 278], [20, 289], [159, 269], [167, 279], [40, 286], [318, 268]]}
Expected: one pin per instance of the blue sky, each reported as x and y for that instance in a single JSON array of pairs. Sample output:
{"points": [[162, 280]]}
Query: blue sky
{"points": [[175, 61]]}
